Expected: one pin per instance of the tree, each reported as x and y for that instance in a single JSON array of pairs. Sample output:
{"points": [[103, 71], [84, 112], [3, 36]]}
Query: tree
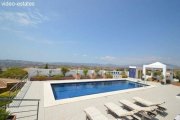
{"points": [[46, 66], [64, 70], [85, 71]]}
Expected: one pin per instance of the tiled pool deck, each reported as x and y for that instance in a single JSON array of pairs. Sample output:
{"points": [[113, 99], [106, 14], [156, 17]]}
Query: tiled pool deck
{"points": [[74, 110]]}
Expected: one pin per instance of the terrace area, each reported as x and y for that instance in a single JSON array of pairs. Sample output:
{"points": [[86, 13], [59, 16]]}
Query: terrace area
{"points": [[75, 110]]}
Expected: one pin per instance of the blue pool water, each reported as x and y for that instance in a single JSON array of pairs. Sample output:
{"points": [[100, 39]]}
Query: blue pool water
{"points": [[69, 90]]}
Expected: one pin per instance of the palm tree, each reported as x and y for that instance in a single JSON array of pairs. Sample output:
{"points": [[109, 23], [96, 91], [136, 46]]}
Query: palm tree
{"points": [[85, 71]]}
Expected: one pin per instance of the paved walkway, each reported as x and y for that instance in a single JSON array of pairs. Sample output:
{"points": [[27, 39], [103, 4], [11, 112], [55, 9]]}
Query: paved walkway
{"points": [[74, 111]]}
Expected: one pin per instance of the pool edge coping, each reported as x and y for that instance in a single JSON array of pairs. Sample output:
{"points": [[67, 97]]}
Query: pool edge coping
{"points": [[50, 101]]}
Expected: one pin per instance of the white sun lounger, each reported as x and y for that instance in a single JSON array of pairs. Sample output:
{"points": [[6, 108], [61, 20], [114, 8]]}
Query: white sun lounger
{"points": [[133, 106], [94, 114], [117, 110], [141, 110], [177, 117], [149, 103]]}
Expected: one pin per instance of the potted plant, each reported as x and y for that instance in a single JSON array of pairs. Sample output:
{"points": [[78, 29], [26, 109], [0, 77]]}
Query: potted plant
{"points": [[178, 75], [162, 82], [162, 77], [5, 115]]}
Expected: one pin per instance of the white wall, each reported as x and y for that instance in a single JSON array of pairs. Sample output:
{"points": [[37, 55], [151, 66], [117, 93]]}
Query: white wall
{"points": [[37, 71]]}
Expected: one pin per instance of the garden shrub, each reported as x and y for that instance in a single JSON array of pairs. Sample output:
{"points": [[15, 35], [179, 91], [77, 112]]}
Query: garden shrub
{"points": [[178, 75], [123, 74], [85, 71], [57, 76], [39, 77], [3, 114], [16, 73], [108, 75]]}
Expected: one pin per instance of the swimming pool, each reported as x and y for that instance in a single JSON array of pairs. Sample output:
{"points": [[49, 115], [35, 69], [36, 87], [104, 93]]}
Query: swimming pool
{"points": [[70, 90]]}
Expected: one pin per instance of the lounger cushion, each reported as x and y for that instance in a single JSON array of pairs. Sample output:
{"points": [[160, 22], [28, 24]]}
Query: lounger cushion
{"points": [[118, 110], [149, 103], [136, 107], [142, 101]]}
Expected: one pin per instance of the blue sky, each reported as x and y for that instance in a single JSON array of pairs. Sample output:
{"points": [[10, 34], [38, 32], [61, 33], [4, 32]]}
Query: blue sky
{"points": [[92, 31]]}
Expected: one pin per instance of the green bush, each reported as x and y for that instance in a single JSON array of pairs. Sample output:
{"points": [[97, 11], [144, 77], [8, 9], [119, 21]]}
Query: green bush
{"points": [[54, 77], [57, 76], [85, 71], [148, 72], [16, 73], [123, 74], [41, 77], [178, 75], [3, 114], [108, 75], [157, 73]]}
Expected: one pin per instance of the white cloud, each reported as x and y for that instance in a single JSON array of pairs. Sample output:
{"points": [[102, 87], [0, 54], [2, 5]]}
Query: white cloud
{"points": [[22, 18], [108, 58]]}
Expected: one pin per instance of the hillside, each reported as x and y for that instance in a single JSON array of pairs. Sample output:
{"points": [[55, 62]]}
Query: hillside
{"points": [[22, 63]]}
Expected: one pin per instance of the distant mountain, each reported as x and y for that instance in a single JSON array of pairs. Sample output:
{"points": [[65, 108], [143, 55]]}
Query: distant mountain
{"points": [[19, 63], [172, 66], [22, 63]]}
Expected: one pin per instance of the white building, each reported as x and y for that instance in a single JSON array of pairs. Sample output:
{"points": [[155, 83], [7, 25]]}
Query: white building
{"points": [[158, 65]]}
